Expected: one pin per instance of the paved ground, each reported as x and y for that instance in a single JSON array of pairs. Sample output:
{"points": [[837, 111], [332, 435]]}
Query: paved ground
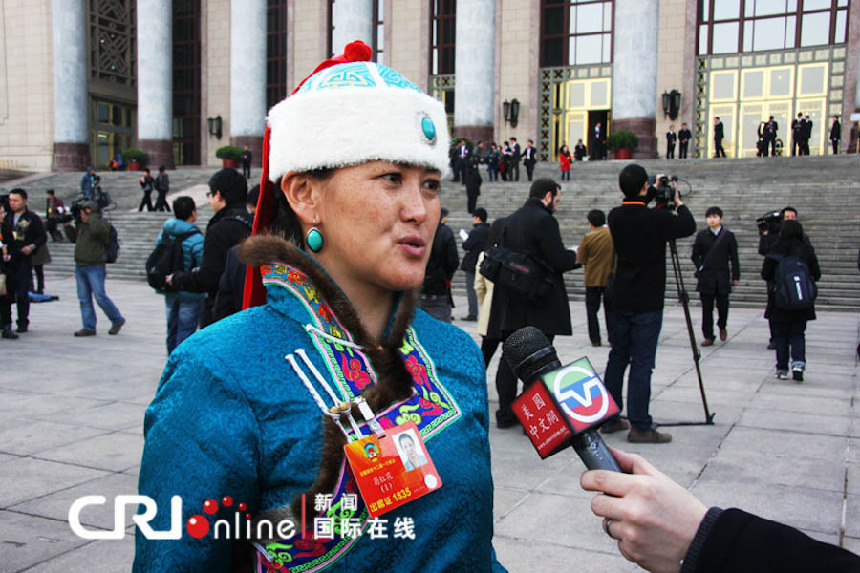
{"points": [[71, 414]]}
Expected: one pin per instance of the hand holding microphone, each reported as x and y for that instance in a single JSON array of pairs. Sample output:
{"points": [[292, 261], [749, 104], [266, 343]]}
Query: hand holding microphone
{"points": [[561, 406]]}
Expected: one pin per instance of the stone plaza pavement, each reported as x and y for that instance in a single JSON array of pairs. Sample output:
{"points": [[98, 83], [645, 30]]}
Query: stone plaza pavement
{"points": [[72, 410]]}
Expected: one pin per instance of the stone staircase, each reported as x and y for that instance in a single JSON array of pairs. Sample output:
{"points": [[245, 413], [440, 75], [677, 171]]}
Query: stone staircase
{"points": [[823, 189]]}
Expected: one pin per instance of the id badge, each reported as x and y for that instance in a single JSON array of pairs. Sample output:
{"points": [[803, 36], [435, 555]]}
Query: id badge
{"points": [[393, 469]]}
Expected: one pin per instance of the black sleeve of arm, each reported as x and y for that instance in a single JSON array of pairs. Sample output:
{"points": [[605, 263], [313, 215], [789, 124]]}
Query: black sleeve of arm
{"points": [[452, 258], [552, 248], [683, 225], [205, 277], [735, 261], [40, 237], [698, 247], [741, 542]]}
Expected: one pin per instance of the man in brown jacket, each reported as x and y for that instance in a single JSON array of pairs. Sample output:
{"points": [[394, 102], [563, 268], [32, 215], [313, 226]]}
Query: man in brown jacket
{"points": [[595, 252]]}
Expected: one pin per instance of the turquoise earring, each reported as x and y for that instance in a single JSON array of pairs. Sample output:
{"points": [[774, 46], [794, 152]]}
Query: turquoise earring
{"points": [[314, 240]]}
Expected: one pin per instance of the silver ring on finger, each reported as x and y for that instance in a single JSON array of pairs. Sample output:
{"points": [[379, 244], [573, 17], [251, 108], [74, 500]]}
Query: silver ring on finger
{"points": [[606, 523]]}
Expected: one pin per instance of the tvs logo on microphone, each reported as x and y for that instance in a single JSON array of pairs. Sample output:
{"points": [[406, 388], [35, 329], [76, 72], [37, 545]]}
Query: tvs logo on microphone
{"points": [[581, 395]]}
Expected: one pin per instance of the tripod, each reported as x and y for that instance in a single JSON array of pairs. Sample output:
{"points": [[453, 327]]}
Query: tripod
{"points": [[684, 298]]}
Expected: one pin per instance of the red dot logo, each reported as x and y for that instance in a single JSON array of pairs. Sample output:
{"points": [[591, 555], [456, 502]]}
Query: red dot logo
{"points": [[210, 506], [243, 506], [197, 527], [227, 501]]}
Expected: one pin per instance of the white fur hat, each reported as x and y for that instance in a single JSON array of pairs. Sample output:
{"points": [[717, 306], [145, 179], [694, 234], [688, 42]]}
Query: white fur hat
{"points": [[350, 111]]}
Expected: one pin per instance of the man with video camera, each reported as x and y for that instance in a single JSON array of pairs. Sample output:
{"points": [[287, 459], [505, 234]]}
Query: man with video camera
{"points": [[640, 235]]}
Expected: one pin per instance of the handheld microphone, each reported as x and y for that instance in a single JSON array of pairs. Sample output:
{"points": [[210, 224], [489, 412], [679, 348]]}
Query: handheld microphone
{"points": [[561, 405]]}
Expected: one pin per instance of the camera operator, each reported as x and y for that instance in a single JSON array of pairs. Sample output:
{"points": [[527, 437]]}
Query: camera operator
{"points": [[768, 231], [640, 236]]}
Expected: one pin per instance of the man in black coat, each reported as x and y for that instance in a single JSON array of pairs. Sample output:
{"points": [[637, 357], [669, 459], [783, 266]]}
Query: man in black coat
{"points": [[715, 248], [436, 291], [515, 159], [684, 137], [835, 134], [718, 138], [797, 135], [23, 232], [532, 230], [474, 245], [529, 159], [806, 134], [228, 191], [640, 235], [771, 128], [671, 138]]}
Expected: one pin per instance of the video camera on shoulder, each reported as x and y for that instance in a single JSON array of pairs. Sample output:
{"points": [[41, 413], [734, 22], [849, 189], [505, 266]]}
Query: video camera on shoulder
{"points": [[664, 191], [768, 223]]}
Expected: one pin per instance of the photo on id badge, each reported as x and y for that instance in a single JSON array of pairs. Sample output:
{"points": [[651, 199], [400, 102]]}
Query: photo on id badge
{"points": [[410, 452]]}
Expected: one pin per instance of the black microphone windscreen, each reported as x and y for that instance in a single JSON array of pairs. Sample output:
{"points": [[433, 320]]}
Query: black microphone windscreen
{"points": [[529, 353]]}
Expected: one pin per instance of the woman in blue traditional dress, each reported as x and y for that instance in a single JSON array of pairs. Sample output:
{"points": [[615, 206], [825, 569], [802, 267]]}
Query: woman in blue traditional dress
{"points": [[245, 428]]}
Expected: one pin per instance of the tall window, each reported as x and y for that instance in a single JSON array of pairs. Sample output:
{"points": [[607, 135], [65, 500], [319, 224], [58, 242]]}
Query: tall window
{"points": [[444, 36], [577, 32], [276, 52], [733, 26], [112, 41], [379, 31], [186, 82]]}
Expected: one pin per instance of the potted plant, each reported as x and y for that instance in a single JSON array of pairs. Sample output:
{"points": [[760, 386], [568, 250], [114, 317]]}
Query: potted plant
{"points": [[229, 155], [134, 158], [623, 143]]}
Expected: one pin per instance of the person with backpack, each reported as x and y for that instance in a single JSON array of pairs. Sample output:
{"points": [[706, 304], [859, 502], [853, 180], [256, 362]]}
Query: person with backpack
{"points": [[228, 191], [92, 238], [791, 270], [162, 186], [179, 247]]}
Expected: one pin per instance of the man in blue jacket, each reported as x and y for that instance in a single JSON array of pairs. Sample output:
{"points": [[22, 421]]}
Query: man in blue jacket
{"points": [[183, 307]]}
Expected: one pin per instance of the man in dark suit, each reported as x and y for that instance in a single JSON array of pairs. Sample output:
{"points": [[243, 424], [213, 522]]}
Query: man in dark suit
{"points": [[835, 134], [671, 138], [806, 134], [715, 248], [684, 137], [598, 145], [515, 159], [770, 133], [474, 245], [529, 159], [718, 137], [532, 230], [797, 135]]}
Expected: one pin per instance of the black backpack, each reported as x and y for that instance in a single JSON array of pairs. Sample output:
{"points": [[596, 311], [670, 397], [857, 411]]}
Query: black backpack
{"points": [[165, 259], [793, 287], [112, 248]]}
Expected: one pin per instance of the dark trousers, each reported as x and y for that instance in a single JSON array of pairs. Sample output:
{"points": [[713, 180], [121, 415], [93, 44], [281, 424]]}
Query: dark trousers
{"points": [[682, 149], [565, 175], [51, 228], [471, 295], [39, 271], [722, 301], [146, 201], [718, 143], [593, 294], [515, 171], [472, 199], [796, 146], [789, 334], [530, 169], [634, 343], [835, 145], [246, 169], [6, 312], [670, 151], [772, 144], [506, 386], [161, 203], [18, 283], [488, 348]]}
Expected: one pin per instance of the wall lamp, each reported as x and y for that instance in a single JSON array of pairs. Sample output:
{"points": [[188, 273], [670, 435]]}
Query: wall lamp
{"points": [[214, 125], [671, 103], [512, 111]]}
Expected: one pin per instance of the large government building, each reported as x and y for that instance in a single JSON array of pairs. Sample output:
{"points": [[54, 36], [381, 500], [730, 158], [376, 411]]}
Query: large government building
{"points": [[82, 80]]}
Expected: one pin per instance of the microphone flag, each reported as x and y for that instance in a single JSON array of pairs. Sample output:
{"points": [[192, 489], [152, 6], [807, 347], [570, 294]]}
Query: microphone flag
{"points": [[561, 404]]}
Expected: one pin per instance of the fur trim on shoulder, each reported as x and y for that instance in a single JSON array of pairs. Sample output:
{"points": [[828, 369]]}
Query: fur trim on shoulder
{"points": [[394, 381]]}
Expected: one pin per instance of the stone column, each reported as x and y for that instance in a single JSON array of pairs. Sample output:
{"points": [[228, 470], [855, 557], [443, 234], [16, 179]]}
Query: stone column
{"points": [[634, 72], [155, 81], [475, 61], [247, 119], [352, 20], [71, 85]]}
